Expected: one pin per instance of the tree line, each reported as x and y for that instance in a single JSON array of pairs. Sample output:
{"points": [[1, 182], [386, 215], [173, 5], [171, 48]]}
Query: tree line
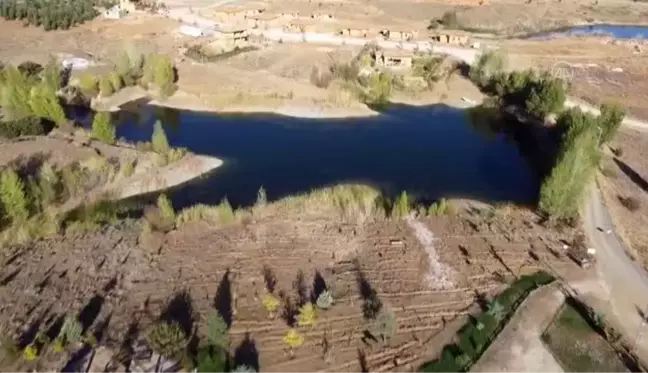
{"points": [[51, 14], [580, 135]]}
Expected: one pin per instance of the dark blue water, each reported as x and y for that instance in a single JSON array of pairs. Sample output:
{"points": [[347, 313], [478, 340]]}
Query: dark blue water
{"points": [[617, 31], [430, 152]]}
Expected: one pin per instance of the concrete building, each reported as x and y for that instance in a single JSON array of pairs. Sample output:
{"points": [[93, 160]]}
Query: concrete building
{"points": [[393, 58]]}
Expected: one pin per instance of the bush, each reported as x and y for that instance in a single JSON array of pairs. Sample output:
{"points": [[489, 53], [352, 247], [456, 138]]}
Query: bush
{"points": [[217, 331], [439, 208], [26, 126], [211, 360], [307, 315], [159, 139], [167, 339], [89, 85], [488, 64], [13, 196], [546, 97], [102, 128], [16, 94], [378, 89], [325, 300]]}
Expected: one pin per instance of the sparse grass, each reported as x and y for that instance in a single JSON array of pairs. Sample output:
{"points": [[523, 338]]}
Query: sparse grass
{"points": [[221, 214], [577, 346]]}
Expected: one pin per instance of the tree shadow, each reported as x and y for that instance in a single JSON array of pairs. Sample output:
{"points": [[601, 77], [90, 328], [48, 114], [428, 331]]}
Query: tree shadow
{"points": [[501, 261], [223, 299], [362, 361], [89, 313], [290, 310], [270, 279], [319, 286], [299, 285], [247, 354], [55, 328], [30, 165], [101, 328], [10, 277], [371, 304], [632, 174], [125, 353], [29, 335], [180, 311], [78, 359], [465, 254]]}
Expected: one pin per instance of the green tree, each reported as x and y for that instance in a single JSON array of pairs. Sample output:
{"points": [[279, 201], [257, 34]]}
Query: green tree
{"points": [[159, 139], [51, 75], [12, 195], [102, 128], [16, 94], [379, 89], [106, 88], [89, 85], [217, 331], [610, 120], [115, 81], [45, 103], [547, 97], [488, 64], [164, 76]]}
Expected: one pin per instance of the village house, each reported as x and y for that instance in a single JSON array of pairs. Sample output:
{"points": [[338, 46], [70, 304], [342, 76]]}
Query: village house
{"points": [[322, 16], [398, 35], [451, 37], [234, 14], [231, 38], [355, 32], [393, 58], [263, 21], [299, 25]]}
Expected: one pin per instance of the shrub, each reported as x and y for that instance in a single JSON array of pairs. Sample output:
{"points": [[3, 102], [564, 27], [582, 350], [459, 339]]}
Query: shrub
{"points": [[325, 300], [106, 88], [439, 208], [51, 75], [385, 324], [270, 302], [293, 339], [159, 139], [71, 331], [26, 126], [211, 360], [102, 128], [378, 89], [12, 195], [488, 64], [167, 339], [89, 85], [217, 330], [307, 315]]}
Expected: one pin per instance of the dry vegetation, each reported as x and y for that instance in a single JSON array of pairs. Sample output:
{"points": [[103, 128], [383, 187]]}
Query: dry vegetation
{"points": [[428, 271]]}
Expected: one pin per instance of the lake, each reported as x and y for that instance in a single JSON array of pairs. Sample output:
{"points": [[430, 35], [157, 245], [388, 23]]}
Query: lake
{"points": [[617, 31], [432, 152]]}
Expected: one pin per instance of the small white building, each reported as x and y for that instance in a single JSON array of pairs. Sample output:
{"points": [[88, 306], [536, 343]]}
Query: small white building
{"points": [[113, 13]]}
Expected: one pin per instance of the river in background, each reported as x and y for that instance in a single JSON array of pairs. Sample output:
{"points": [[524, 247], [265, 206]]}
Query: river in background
{"points": [[616, 31], [432, 152]]}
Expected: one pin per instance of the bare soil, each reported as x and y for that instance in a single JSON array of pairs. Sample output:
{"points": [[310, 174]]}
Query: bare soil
{"points": [[223, 268]]}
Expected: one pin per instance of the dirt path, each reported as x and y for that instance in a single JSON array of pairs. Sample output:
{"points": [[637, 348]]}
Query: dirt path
{"points": [[626, 281], [518, 348]]}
